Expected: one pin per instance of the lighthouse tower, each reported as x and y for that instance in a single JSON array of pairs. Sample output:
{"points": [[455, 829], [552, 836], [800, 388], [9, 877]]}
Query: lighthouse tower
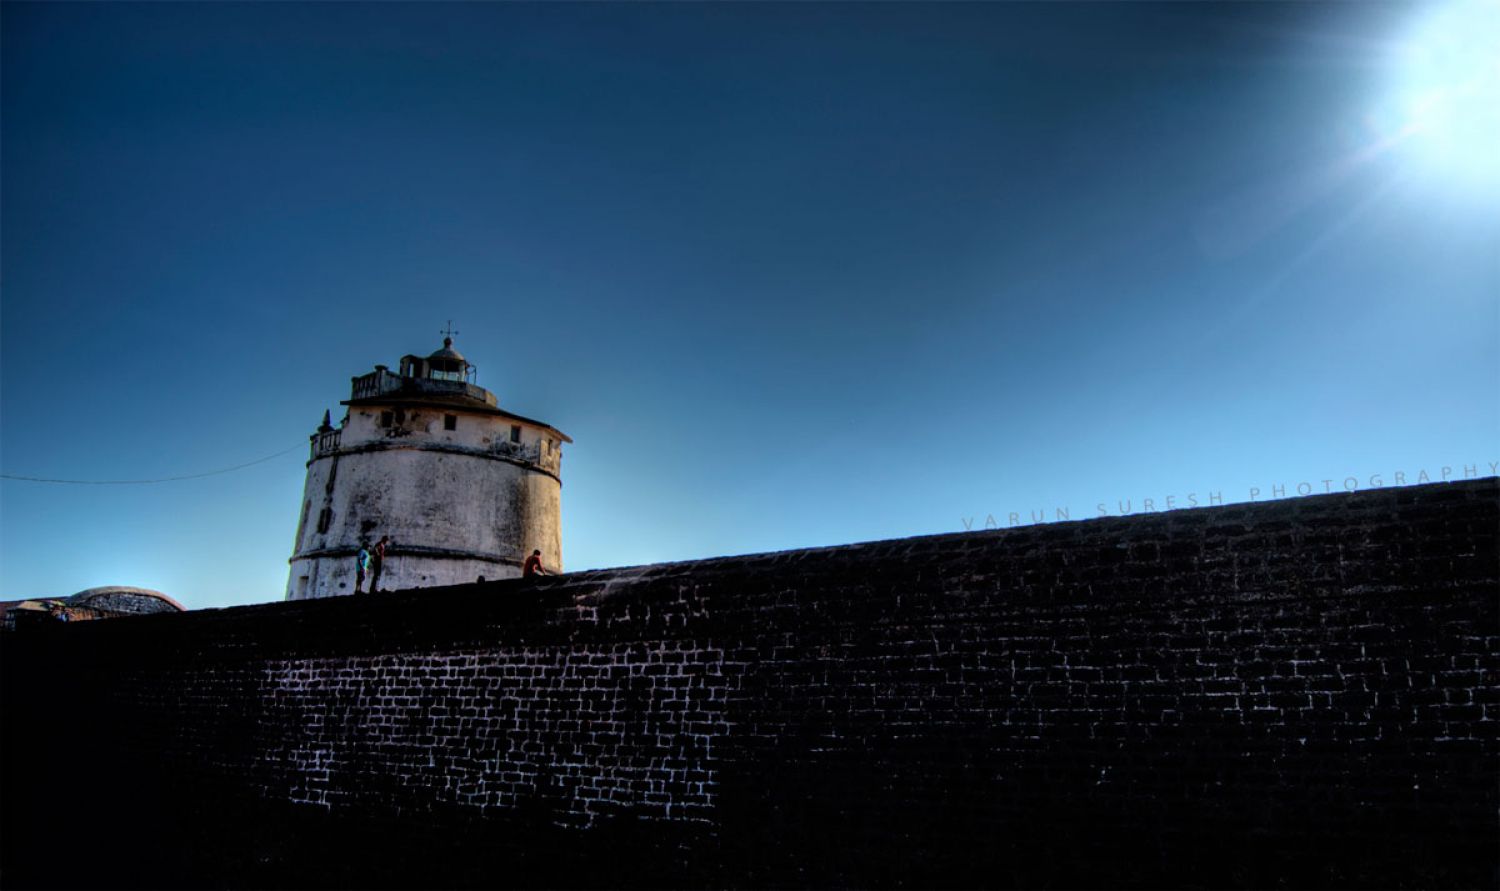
{"points": [[461, 487]]}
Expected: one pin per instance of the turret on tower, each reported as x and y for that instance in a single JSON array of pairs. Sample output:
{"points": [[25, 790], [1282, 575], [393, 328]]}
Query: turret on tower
{"points": [[425, 456]]}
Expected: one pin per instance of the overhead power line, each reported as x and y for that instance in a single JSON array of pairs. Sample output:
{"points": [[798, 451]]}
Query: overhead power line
{"points": [[165, 479]]}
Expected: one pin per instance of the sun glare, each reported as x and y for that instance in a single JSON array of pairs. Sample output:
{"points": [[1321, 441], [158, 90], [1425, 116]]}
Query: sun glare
{"points": [[1447, 98]]}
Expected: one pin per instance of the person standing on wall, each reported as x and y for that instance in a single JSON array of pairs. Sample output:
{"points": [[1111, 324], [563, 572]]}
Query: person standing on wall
{"points": [[379, 562], [361, 566], [533, 566]]}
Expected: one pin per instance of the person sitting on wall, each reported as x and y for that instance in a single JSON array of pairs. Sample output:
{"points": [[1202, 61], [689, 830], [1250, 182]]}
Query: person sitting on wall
{"points": [[361, 565], [379, 563], [533, 565]]}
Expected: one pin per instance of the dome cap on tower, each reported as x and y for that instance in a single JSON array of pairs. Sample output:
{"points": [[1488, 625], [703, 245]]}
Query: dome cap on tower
{"points": [[448, 352]]}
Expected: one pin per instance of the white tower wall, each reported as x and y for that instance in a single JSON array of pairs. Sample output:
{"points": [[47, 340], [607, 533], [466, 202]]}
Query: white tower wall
{"points": [[457, 504]]}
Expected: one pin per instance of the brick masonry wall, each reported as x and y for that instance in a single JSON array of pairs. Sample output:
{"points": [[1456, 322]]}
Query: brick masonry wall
{"points": [[1297, 692]]}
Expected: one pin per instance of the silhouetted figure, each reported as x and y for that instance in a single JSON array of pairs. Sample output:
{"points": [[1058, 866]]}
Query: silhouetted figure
{"points": [[533, 566], [361, 566], [379, 563]]}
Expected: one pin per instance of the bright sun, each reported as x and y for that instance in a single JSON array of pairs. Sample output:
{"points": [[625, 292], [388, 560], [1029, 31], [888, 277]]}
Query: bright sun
{"points": [[1448, 90]]}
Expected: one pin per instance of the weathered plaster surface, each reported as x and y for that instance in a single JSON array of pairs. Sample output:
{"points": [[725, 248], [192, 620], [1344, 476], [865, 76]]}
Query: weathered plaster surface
{"points": [[457, 504]]}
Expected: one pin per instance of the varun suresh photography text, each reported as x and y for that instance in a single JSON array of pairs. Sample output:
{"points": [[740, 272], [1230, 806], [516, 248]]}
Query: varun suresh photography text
{"points": [[1120, 507]]}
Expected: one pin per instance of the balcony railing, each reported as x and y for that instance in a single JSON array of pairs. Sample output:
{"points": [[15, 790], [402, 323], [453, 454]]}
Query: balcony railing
{"points": [[381, 382], [375, 383], [532, 454], [326, 442]]}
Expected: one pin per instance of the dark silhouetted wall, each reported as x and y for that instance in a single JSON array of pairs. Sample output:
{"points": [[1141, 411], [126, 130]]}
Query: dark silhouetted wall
{"points": [[1297, 692]]}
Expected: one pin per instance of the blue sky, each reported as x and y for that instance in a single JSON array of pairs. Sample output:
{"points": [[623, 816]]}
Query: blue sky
{"points": [[789, 274]]}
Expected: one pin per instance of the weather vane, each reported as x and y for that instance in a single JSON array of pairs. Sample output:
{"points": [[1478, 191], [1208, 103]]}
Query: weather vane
{"points": [[449, 332]]}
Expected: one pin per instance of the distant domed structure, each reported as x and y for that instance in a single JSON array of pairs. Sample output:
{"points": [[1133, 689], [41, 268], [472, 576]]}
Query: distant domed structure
{"points": [[108, 602], [125, 600]]}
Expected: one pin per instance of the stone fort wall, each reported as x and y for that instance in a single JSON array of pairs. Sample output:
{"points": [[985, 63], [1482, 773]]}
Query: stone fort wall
{"points": [[1295, 692]]}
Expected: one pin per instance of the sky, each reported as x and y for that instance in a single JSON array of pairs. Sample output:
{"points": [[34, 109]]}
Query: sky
{"points": [[790, 275]]}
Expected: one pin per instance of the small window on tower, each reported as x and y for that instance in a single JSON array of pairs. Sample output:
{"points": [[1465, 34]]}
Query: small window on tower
{"points": [[450, 422], [515, 433], [324, 519], [387, 418]]}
